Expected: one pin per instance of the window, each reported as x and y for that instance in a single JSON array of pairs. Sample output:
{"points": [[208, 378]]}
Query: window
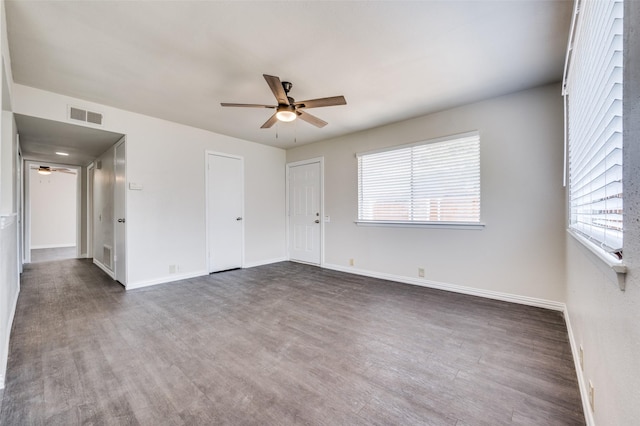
{"points": [[433, 182], [593, 97]]}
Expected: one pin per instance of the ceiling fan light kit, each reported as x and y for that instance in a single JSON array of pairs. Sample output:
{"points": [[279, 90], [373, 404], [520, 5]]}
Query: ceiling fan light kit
{"points": [[288, 109], [286, 113]]}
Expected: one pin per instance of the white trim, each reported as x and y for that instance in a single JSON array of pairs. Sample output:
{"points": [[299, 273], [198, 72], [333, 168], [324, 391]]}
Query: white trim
{"points": [[616, 266], [582, 385], [206, 205], [91, 169], [166, 279], [489, 294], [119, 259], [12, 313], [104, 268], [408, 224], [319, 160], [265, 262], [48, 246]]}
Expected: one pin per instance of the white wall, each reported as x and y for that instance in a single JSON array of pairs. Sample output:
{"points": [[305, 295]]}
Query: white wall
{"points": [[605, 320], [9, 276], [53, 201], [103, 209], [519, 252], [166, 220]]}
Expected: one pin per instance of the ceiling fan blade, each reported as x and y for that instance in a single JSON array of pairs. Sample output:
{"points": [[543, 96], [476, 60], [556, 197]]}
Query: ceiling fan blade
{"points": [[311, 119], [322, 102], [276, 87], [270, 122], [227, 104]]}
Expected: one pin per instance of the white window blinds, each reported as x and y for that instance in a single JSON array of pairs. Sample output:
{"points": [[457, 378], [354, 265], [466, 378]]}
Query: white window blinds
{"points": [[431, 182], [594, 90]]}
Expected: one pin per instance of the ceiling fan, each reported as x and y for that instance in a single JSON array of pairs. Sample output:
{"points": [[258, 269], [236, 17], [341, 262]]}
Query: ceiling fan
{"points": [[47, 170], [288, 109]]}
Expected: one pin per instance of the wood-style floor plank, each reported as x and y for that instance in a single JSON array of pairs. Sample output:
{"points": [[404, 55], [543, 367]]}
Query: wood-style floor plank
{"points": [[279, 344]]}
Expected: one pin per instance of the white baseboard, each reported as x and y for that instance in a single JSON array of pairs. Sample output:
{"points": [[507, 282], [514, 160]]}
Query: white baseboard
{"points": [[582, 385], [48, 246], [104, 268], [265, 262], [166, 279], [3, 367], [489, 294]]}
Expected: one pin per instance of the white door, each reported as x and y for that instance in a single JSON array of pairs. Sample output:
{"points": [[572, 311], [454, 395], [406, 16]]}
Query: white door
{"points": [[120, 258], [305, 212], [225, 186]]}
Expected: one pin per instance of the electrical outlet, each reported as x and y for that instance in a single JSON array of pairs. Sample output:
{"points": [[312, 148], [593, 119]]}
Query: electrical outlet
{"points": [[581, 357], [592, 396], [351, 262], [421, 272]]}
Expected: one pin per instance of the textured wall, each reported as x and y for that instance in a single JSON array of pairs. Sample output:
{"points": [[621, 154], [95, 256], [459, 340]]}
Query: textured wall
{"points": [[605, 320]]}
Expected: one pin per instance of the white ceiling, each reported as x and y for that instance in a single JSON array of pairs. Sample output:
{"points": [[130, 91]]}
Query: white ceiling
{"points": [[40, 139], [392, 60]]}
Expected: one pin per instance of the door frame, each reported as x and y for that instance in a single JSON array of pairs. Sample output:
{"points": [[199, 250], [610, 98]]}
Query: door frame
{"points": [[27, 204], [117, 255], [207, 153], [319, 160], [91, 170]]}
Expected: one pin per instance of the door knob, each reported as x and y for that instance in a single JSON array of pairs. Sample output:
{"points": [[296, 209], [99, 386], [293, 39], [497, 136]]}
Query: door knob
{"points": [[317, 221], [238, 218], [121, 220]]}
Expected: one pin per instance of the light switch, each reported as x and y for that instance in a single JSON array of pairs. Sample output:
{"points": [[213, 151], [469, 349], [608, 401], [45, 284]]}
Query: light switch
{"points": [[135, 186]]}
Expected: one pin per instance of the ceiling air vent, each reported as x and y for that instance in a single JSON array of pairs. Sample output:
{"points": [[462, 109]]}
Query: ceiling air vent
{"points": [[85, 116]]}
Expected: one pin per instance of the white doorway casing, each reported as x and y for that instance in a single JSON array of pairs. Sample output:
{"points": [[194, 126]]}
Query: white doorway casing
{"points": [[224, 211], [120, 255], [305, 211]]}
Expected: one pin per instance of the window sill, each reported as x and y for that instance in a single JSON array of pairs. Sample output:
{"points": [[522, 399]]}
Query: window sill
{"points": [[403, 224], [616, 266]]}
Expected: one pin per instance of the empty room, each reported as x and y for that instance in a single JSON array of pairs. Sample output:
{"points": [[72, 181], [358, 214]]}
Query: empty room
{"points": [[320, 212]]}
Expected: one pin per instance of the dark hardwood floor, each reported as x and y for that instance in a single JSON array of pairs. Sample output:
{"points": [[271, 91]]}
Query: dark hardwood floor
{"points": [[56, 253], [277, 345]]}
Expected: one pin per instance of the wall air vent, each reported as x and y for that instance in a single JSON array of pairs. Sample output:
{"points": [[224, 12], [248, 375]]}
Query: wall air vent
{"points": [[106, 256], [80, 114], [94, 117]]}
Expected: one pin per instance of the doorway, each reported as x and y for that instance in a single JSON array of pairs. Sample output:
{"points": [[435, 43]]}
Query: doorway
{"points": [[225, 211], [305, 210], [53, 195]]}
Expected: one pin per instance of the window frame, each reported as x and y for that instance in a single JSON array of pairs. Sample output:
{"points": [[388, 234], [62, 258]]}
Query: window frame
{"points": [[595, 246], [414, 223]]}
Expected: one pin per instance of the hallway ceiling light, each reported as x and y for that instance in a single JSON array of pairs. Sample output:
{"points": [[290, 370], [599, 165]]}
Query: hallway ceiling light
{"points": [[65, 154]]}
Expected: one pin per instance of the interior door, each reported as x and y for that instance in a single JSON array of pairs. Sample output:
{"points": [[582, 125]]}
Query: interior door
{"points": [[119, 258], [225, 186], [305, 212]]}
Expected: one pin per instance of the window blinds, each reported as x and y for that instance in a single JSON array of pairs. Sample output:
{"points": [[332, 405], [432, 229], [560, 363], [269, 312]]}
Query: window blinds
{"points": [[430, 182], [594, 90]]}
